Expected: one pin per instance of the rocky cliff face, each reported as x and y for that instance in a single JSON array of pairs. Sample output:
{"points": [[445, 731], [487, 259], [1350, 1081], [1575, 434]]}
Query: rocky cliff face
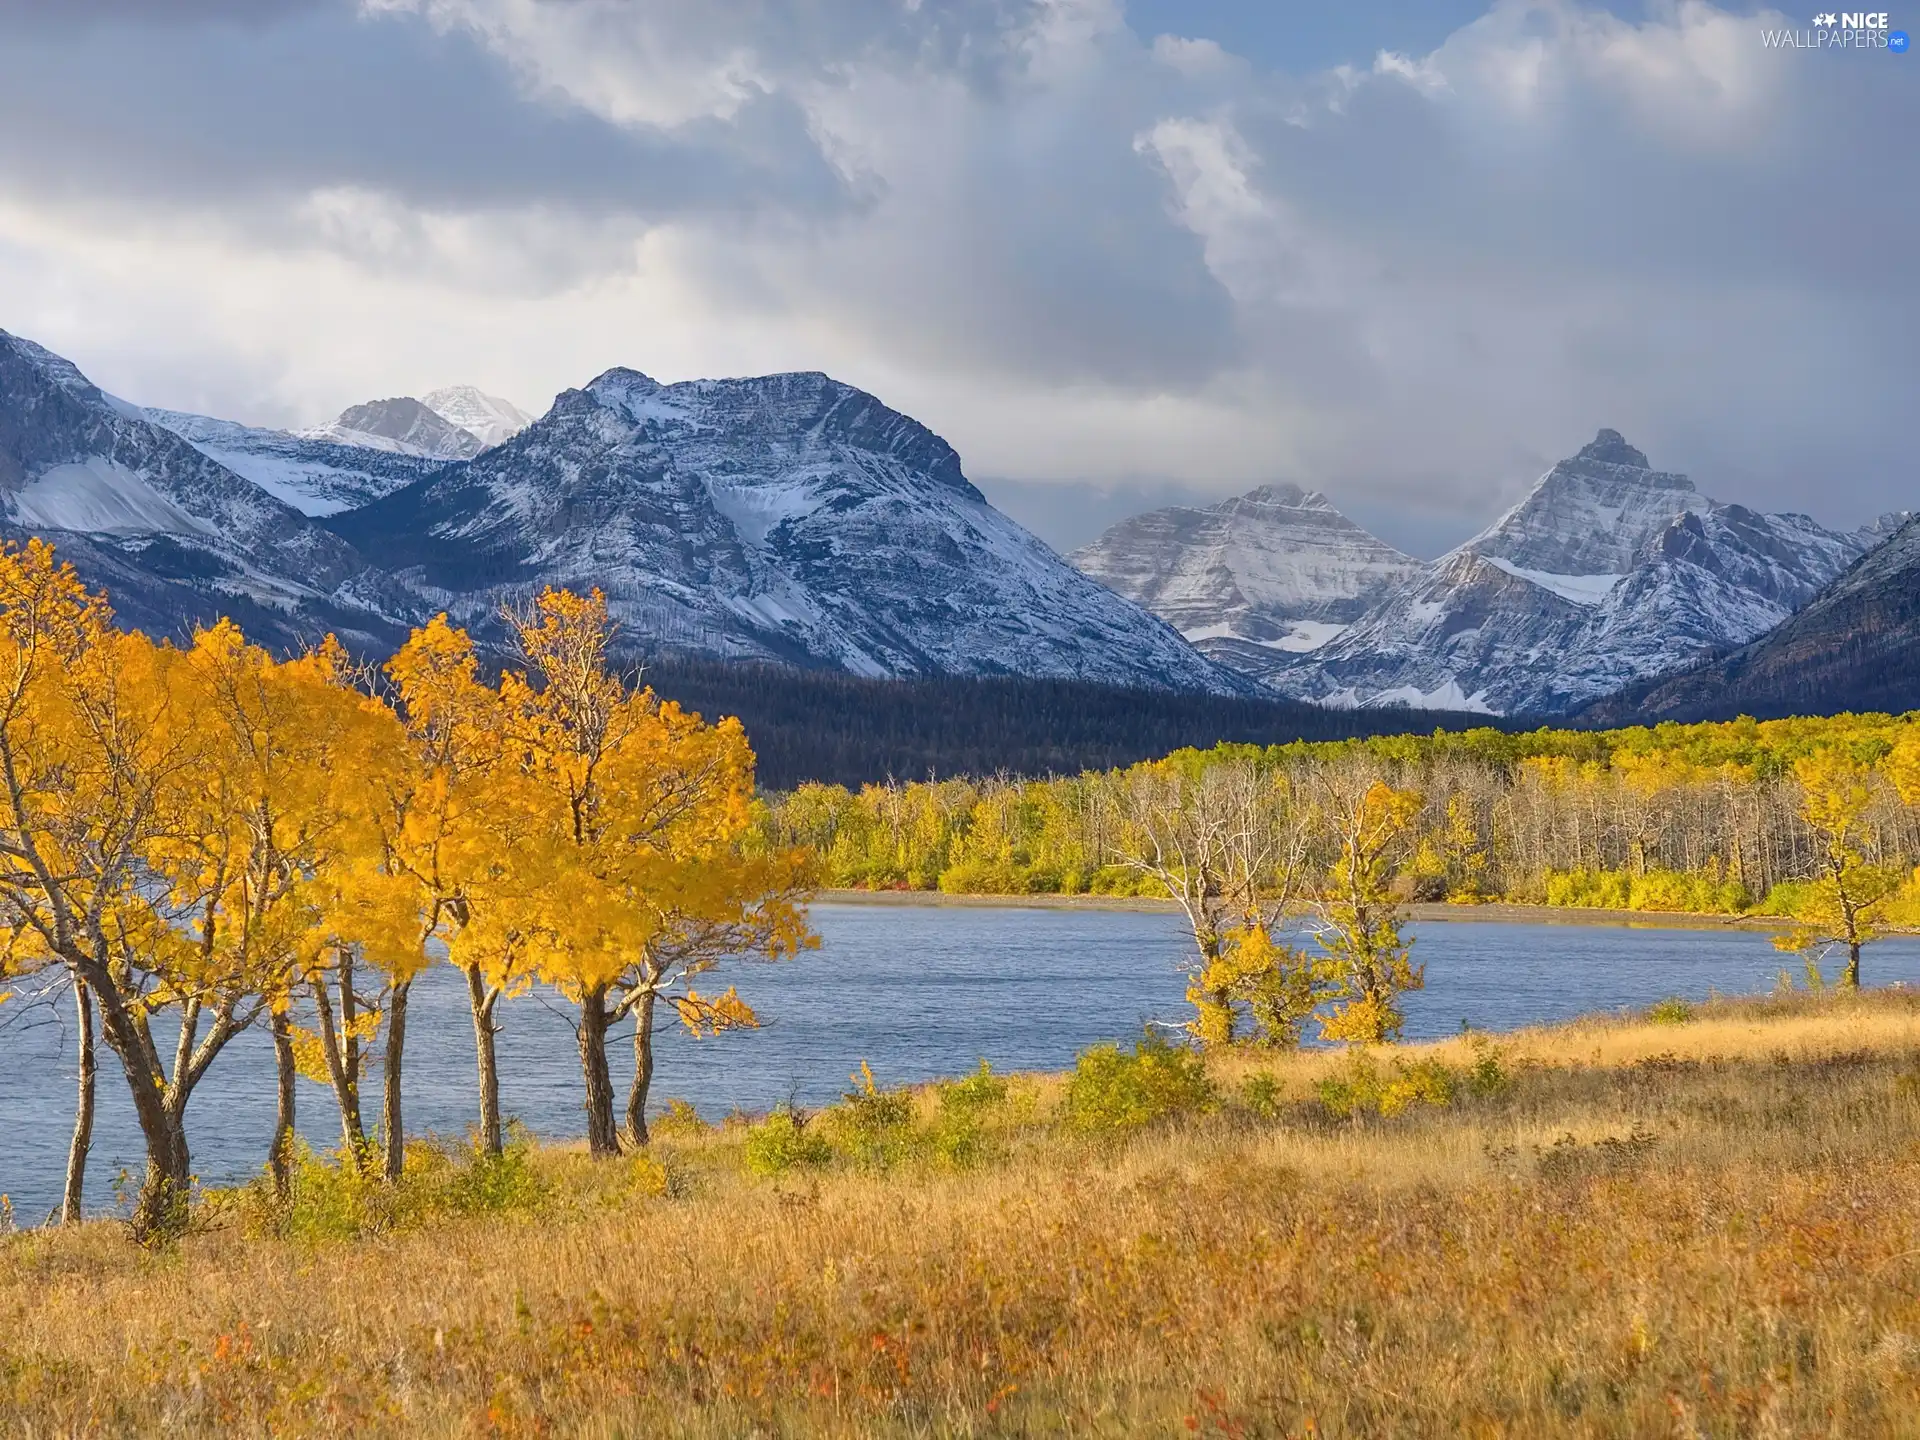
{"points": [[786, 517], [1607, 573], [1275, 572]]}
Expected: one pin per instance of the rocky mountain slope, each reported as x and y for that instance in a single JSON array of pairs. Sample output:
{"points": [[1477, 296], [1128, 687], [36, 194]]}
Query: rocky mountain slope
{"points": [[315, 475], [401, 424], [369, 451], [1253, 579], [1607, 573], [788, 517], [175, 536], [1855, 646]]}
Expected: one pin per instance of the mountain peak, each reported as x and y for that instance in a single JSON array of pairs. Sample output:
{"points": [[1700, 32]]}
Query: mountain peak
{"points": [[401, 422], [488, 418], [1610, 447]]}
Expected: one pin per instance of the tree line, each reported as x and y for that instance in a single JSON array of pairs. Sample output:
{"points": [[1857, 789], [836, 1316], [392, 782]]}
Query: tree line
{"points": [[210, 836], [1813, 821]]}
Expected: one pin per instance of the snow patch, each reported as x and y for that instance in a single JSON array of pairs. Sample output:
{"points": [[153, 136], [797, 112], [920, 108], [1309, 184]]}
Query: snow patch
{"points": [[98, 496], [1581, 589]]}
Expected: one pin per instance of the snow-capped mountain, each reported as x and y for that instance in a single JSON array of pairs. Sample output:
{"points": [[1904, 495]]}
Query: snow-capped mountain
{"points": [[403, 425], [175, 536], [1252, 579], [1607, 573], [489, 419], [1855, 646], [317, 476], [785, 517]]}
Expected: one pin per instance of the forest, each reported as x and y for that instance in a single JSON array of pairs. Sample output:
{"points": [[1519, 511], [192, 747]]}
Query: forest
{"points": [[821, 725]]}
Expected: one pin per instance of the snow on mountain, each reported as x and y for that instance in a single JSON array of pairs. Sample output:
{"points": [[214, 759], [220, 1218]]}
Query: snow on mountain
{"points": [[489, 419], [1608, 572], [1855, 646], [317, 476], [175, 536], [784, 517], [1252, 579], [402, 425]]}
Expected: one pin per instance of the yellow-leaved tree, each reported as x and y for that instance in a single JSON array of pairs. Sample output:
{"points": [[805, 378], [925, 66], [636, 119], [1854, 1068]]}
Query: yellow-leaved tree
{"points": [[638, 873], [104, 768], [1227, 843], [464, 819], [1360, 921], [1842, 905]]}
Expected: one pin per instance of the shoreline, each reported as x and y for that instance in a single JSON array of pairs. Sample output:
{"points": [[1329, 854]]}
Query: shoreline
{"points": [[1496, 912]]}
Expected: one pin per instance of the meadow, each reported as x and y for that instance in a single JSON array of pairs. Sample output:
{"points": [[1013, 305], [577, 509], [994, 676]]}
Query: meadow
{"points": [[1697, 1220]]}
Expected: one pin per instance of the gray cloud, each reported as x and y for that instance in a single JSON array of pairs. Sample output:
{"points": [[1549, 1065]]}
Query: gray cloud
{"points": [[1077, 255], [324, 98]]}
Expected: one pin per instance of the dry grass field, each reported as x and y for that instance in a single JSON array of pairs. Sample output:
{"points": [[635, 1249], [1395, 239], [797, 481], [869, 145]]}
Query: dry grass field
{"points": [[1708, 1226]]}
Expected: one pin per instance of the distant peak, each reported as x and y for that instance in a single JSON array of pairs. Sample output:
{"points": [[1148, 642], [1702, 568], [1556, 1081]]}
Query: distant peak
{"points": [[1610, 447], [623, 381]]}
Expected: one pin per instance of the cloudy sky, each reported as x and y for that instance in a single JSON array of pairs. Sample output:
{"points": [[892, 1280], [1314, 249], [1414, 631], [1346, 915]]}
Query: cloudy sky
{"points": [[1408, 251]]}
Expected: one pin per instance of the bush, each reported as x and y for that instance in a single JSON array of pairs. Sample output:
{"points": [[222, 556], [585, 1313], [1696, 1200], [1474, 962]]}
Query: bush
{"points": [[1260, 1093], [1705, 892], [1671, 1011], [959, 1135], [1112, 1090], [872, 1127], [1368, 1089], [782, 1142], [679, 1119]]}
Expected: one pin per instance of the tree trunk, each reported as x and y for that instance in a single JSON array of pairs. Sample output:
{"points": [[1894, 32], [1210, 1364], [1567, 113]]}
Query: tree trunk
{"points": [[391, 1125], [602, 1141], [1852, 980], [160, 1212], [342, 1051], [82, 1109], [280, 1157], [482, 998], [642, 1071]]}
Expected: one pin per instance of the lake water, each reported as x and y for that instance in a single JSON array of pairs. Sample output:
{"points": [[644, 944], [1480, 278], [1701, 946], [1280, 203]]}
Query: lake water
{"points": [[918, 992]]}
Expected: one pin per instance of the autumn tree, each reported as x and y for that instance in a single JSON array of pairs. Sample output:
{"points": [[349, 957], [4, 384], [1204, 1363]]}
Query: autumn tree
{"points": [[639, 875], [453, 831], [103, 768], [1842, 904], [1360, 921], [1228, 844]]}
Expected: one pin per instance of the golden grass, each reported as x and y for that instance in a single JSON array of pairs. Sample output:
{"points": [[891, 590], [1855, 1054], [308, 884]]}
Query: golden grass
{"points": [[1705, 1228]]}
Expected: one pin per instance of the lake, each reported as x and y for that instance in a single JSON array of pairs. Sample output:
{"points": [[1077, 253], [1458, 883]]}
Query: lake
{"points": [[917, 991]]}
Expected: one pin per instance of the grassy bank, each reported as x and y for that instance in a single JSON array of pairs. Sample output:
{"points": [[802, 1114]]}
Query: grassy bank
{"points": [[1708, 1224]]}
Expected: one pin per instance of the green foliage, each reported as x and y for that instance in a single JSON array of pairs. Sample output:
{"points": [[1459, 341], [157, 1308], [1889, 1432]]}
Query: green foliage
{"points": [[1112, 1090], [784, 1141], [680, 1120], [1366, 1087], [871, 1127], [1260, 1093], [328, 1199], [1671, 1011]]}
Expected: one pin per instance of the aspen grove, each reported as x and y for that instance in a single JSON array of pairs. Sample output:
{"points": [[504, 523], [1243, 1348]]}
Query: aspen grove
{"points": [[211, 837]]}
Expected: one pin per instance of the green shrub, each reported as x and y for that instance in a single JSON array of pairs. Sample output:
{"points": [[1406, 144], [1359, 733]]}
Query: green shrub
{"points": [[1260, 1093], [1367, 1088], [782, 1142], [1671, 1011], [679, 1119], [871, 1127], [959, 1137], [1112, 1090]]}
